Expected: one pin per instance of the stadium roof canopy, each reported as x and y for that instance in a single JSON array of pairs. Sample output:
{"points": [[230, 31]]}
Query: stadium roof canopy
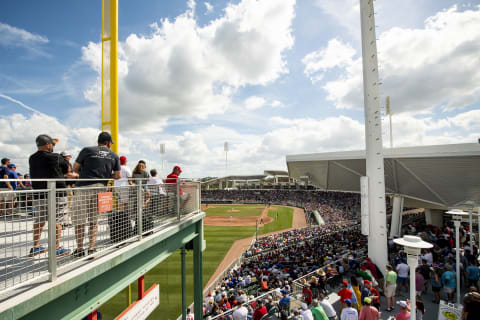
{"points": [[276, 173], [443, 176], [236, 178]]}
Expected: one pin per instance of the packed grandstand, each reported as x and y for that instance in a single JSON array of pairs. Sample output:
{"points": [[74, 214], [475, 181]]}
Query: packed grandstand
{"points": [[287, 275]]}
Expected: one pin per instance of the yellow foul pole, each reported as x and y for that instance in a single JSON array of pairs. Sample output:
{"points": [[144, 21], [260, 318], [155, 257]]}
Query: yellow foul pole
{"points": [[110, 69]]}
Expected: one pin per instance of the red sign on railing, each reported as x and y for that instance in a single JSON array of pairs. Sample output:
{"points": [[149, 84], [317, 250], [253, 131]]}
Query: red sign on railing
{"points": [[105, 202]]}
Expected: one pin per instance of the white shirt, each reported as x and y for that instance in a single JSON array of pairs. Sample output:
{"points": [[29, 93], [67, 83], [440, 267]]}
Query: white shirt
{"points": [[240, 314], [429, 257], [349, 314], [190, 316], [159, 182], [402, 270], [125, 173], [306, 314], [327, 307]]}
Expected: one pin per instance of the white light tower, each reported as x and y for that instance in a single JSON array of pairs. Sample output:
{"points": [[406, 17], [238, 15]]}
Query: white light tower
{"points": [[413, 246], [377, 236], [389, 113], [457, 216], [225, 148], [162, 152]]}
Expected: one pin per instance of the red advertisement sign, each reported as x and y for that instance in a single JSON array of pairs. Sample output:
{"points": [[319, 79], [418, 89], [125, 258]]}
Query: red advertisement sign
{"points": [[105, 202]]}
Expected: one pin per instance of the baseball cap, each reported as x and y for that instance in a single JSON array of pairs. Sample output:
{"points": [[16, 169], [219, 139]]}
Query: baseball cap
{"points": [[367, 282], [11, 165], [348, 302], [345, 283], [65, 154], [45, 139], [402, 304], [178, 168], [105, 137], [123, 160]]}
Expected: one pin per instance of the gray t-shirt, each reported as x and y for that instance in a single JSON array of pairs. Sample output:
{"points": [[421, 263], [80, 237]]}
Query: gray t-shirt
{"points": [[97, 162]]}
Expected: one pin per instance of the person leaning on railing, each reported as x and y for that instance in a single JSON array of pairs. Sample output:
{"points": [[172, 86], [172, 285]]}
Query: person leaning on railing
{"points": [[45, 164], [96, 162]]}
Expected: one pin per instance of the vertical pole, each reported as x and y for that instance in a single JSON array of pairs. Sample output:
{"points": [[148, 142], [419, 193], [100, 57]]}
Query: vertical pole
{"points": [[478, 224], [178, 200], [457, 252], [52, 230], [197, 272], [412, 263], [184, 285], [394, 223], [377, 238], [114, 73], [139, 210], [141, 287], [129, 295]]}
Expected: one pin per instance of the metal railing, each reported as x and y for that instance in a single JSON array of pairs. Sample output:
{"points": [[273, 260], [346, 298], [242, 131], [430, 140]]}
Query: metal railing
{"points": [[45, 230]]}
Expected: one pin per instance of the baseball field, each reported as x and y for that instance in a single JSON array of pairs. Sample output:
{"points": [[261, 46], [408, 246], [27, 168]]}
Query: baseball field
{"points": [[229, 229]]}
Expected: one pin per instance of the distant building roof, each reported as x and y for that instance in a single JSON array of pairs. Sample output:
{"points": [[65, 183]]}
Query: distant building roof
{"points": [[237, 178], [276, 173], [444, 175]]}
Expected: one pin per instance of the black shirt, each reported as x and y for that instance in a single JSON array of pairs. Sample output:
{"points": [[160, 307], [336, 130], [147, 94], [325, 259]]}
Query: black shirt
{"points": [[3, 173], [47, 165], [97, 162]]}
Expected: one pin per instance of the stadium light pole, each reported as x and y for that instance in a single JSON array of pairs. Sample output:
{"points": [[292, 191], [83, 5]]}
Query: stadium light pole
{"points": [[225, 148], [162, 153], [413, 246], [377, 236], [389, 113], [457, 219]]}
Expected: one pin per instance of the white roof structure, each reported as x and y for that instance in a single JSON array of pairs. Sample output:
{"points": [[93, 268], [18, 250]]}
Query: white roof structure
{"points": [[440, 176]]}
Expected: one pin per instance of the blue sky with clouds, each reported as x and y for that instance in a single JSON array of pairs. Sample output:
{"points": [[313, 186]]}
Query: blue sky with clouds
{"points": [[271, 77]]}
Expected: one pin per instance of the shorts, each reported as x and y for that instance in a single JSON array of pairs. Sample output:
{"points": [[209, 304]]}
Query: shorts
{"points": [[402, 280], [40, 213], [390, 290], [448, 290], [123, 193], [85, 204], [6, 196]]}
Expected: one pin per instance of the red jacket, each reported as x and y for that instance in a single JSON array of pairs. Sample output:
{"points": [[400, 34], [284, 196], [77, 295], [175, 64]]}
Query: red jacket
{"points": [[173, 178], [259, 313]]}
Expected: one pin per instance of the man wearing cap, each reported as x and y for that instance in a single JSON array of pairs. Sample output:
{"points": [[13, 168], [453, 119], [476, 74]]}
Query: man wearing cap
{"points": [[349, 313], [404, 314], [317, 311], [242, 312], [172, 178], [368, 312], [96, 162], [327, 306], [305, 312], [344, 294], [45, 164], [5, 186]]}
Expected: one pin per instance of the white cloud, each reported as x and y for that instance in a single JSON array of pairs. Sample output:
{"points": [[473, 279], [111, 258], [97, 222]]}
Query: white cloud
{"points": [[254, 102], [345, 12], [421, 69], [181, 69], [11, 36], [208, 7], [335, 55]]}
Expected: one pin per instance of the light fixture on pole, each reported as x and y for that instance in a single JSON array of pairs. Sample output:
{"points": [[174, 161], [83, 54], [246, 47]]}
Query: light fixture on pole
{"points": [[457, 216], [225, 148], [413, 246], [162, 152]]}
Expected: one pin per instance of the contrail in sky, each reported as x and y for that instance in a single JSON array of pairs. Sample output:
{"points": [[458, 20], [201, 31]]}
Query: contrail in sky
{"points": [[21, 104]]}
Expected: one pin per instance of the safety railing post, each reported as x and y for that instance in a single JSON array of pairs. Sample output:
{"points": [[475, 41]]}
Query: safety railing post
{"points": [[178, 200], [52, 230], [199, 195], [139, 210]]}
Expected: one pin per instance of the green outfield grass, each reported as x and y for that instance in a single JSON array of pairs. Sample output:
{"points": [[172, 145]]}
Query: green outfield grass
{"points": [[244, 210], [168, 276]]}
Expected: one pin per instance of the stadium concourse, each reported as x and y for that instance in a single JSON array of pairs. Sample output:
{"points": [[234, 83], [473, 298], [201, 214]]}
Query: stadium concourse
{"points": [[285, 275]]}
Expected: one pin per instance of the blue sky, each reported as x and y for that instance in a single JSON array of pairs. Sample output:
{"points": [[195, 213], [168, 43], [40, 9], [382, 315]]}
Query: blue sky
{"points": [[270, 77]]}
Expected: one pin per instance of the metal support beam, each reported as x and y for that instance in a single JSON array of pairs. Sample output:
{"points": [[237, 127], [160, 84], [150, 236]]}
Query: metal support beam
{"points": [[377, 237], [184, 285], [197, 274], [397, 209]]}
